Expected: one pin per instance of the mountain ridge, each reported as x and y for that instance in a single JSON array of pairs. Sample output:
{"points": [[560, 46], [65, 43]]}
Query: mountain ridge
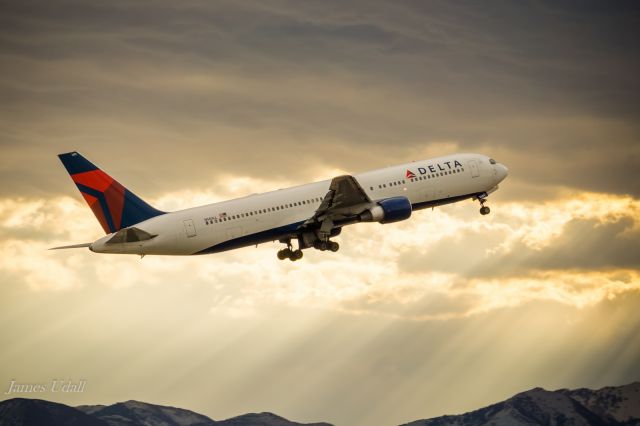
{"points": [[39, 412], [608, 406]]}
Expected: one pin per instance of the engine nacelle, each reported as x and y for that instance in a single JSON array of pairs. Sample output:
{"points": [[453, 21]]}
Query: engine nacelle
{"points": [[389, 210]]}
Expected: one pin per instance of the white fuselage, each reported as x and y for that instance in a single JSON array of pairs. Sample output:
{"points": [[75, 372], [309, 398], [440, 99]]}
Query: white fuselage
{"points": [[274, 215]]}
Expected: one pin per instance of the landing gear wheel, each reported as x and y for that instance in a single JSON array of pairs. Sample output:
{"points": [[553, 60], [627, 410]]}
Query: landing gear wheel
{"points": [[484, 210], [323, 245], [333, 246], [296, 255], [284, 254]]}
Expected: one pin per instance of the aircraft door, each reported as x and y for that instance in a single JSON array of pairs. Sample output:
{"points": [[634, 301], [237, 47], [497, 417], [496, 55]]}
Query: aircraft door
{"points": [[473, 166], [189, 228]]}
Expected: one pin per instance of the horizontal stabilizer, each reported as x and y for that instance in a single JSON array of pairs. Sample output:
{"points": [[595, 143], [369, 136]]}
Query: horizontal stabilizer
{"points": [[71, 246]]}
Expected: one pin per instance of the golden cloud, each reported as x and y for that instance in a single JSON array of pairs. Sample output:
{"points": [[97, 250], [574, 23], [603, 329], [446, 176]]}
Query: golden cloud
{"points": [[430, 267]]}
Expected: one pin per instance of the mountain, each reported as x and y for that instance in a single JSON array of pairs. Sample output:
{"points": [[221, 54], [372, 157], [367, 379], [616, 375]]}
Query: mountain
{"points": [[37, 412], [621, 403], [610, 406], [263, 419], [140, 413]]}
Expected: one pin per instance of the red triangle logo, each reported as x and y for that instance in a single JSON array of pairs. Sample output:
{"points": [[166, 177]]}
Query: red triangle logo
{"points": [[410, 174]]}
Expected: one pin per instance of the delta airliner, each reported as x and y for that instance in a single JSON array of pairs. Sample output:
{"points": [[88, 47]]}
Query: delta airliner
{"points": [[309, 215]]}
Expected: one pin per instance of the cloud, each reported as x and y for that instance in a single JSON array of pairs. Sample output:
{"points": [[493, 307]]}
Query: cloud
{"points": [[583, 233], [445, 264], [307, 88], [192, 102]]}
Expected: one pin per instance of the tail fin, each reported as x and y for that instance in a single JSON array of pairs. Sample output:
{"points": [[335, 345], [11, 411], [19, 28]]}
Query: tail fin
{"points": [[114, 205]]}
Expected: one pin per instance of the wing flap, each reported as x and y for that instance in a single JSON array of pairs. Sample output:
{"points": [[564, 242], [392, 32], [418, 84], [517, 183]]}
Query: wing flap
{"points": [[345, 199]]}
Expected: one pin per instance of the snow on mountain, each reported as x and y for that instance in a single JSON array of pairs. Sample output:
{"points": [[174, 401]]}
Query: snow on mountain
{"points": [[581, 407], [621, 403]]}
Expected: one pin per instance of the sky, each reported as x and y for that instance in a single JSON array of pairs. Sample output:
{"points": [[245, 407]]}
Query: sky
{"points": [[193, 102]]}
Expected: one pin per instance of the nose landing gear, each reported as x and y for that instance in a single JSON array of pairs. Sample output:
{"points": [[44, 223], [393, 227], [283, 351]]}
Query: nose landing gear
{"points": [[484, 210]]}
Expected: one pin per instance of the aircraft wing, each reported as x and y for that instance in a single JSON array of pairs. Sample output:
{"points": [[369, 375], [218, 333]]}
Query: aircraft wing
{"points": [[345, 199]]}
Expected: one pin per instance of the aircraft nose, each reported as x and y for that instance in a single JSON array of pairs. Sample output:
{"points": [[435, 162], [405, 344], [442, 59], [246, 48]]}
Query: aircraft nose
{"points": [[501, 171]]}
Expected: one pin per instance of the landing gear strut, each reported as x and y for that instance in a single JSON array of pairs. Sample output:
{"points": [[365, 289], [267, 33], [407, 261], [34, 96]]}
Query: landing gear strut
{"points": [[290, 253], [484, 210]]}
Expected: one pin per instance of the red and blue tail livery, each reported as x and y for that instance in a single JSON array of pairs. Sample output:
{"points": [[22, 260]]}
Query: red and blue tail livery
{"points": [[114, 206]]}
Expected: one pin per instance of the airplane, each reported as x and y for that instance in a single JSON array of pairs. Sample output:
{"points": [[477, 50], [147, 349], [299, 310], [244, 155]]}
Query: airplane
{"points": [[311, 214]]}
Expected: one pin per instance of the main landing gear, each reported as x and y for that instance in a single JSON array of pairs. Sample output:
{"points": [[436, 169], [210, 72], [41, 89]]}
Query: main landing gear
{"points": [[326, 245], [293, 255], [484, 210], [290, 253]]}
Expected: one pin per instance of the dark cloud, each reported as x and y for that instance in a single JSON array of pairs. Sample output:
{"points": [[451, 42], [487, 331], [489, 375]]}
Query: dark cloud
{"points": [[584, 244], [202, 87]]}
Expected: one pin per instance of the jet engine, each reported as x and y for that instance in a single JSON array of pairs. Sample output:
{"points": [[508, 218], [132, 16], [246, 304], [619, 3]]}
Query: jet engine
{"points": [[388, 210]]}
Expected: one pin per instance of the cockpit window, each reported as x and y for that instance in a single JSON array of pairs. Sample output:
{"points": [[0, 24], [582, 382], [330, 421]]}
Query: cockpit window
{"points": [[492, 161]]}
